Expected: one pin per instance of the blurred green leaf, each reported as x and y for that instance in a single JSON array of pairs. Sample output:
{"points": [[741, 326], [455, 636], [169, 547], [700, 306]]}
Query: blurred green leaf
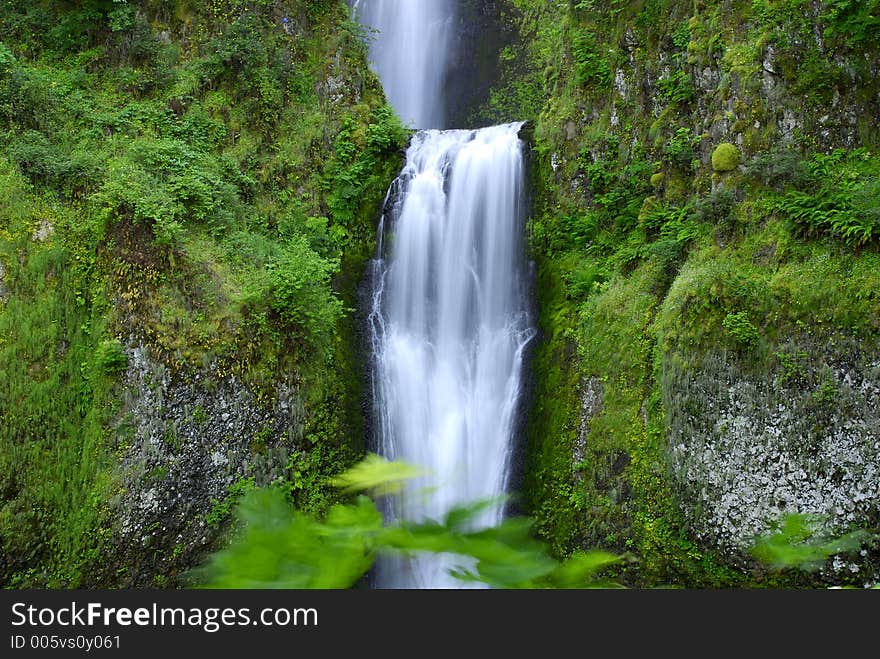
{"points": [[280, 547], [581, 569], [377, 475], [799, 543]]}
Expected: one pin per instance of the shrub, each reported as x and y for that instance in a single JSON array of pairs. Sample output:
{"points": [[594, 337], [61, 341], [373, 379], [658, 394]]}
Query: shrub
{"points": [[131, 192], [70, 169], [831, 213], [855, 22], [680, 148], [725, 157], [678, 88], [674, 230], [715, 208], [166, 184], [590, 67], [839, 197], [741, 329], [110, 357], [649, 208], [778, 168], [301, 294], [585, 278], [7, 59]]}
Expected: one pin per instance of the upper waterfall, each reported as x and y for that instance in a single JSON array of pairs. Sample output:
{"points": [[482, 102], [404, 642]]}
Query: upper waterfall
{"points": [[409, 53]]}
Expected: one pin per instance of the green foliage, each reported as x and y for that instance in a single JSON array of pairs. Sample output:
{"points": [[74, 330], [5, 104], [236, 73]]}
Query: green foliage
{"points": [[283, 548], [677, 88], [829, 213], [222, 509], [840, 198], [793, 366], [855, 22], [277, 546], [353, 170], [377, 475], [70, 168], [190, 198], [680, 148], [130, 192], [715, 208], [110, 356], [619, 190], [778, 168], [800, 542], [682, 35], [7, 59], [741, 329], [55, 397], [591, 67], [280, 547], [609, 255], [299, 293], [586, 278]]}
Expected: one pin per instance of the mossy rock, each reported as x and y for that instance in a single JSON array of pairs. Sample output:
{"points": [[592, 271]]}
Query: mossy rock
{"points": [[650, 205], [725, 157], [658, 179], [676, 188]]}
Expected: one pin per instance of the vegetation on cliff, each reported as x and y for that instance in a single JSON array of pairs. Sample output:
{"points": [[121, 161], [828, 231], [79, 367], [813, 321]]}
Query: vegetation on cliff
{"points": [[706, 227], [187, 188]]}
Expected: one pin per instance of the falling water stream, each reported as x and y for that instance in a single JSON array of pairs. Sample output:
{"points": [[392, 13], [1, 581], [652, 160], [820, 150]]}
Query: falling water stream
{"points": [[408, 51], [449, 320]]}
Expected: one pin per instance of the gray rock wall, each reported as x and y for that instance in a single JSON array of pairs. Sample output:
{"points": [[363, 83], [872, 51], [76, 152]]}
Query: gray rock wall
{"points": [[184, 443], [803, 437]]}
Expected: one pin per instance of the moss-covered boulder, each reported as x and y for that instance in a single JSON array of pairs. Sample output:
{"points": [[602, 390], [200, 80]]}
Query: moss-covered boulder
{"points": [[725, 157]]}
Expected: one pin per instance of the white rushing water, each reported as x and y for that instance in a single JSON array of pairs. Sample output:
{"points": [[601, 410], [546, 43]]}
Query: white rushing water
{"points": [[449, 325], [409, 53]]}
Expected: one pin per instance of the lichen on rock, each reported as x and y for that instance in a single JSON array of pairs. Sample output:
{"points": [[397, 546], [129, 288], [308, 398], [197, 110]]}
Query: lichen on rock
{"points": [[801, 437]]}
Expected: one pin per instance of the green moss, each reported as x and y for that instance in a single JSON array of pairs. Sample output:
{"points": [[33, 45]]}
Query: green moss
{"points": [[658, 179], [552, 421], [725, 157]]}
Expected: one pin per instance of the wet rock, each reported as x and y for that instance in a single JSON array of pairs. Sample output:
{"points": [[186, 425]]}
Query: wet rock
{"points": [[591, 405], [43, 231], [183, 443]]}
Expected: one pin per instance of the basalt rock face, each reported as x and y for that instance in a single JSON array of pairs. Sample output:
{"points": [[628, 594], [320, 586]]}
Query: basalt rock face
{"points": [[480, 35], [188, 446], [803, 435]]}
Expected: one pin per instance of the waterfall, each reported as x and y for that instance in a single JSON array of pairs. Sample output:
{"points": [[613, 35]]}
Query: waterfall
{"points": [[448, 320], [408, 52], [449, 325]]}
